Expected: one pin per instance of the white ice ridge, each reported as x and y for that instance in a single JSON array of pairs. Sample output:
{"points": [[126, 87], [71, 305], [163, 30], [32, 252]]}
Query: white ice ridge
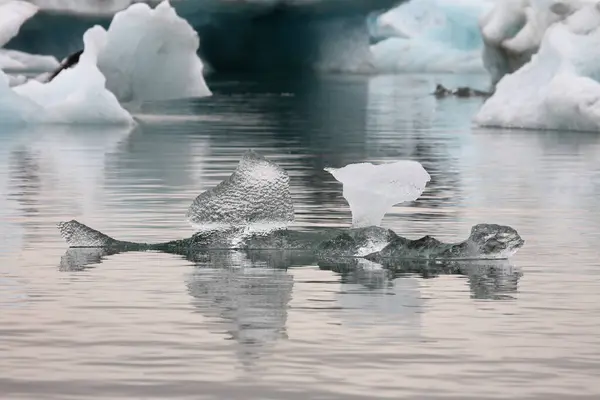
{"points": [[13, 15], [431, 36], [372, 190], [559, 88], [151, 54], [513, 30]]}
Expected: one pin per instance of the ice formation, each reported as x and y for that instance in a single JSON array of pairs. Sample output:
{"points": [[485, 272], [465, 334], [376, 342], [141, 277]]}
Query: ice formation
{"points": [[513, 31], [559, 88], [150, 54], [371, 190], [431, 36], [146, 54], [77, 95], [13, 14], [257, 195]]}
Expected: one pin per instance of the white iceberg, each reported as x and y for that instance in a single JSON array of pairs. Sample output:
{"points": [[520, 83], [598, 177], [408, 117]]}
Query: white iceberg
{"points": [[77, 95], [145, 55], [431, 36], [513, 30], [559, 88], [151, 54], [13, 15], [372, 190]]}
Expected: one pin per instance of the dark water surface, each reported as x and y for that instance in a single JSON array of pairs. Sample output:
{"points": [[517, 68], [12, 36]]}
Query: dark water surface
{"points": [[229, 326]]}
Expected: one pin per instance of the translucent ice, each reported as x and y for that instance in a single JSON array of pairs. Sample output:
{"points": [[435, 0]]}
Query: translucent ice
{"points": [[559, 88], [79, 235], [371, 190], [150, 54], [257, 195]]}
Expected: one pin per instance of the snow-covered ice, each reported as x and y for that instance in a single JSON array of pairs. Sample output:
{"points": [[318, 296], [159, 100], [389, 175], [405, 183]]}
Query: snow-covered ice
{"points": [[372, 190], [559, 88]]}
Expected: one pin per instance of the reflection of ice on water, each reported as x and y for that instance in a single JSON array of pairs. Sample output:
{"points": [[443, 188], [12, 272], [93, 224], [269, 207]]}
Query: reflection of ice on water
{"points": [[54, 170], [370, 295], [12, 292], [250, 298]]}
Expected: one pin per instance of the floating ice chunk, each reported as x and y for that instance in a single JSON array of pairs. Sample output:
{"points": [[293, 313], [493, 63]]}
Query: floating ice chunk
{"points": [[77, 95], [371, 190], [150, 54], [559, 88], [257, 195], [13, 14]]}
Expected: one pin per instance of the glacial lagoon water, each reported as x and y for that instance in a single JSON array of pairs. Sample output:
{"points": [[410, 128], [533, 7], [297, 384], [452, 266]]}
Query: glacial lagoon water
{"points": [[229, 326]]}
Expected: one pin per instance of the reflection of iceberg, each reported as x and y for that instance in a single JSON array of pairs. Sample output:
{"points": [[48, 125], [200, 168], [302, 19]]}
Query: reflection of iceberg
{"points": [[559, 88], [252, 300], [430, 35], [47, 166], [487, 279]]}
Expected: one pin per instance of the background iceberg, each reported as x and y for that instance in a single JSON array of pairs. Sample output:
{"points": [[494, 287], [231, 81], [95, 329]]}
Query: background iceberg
{"points": [[150, 54], [145, 55], [431, 36], [254, 35], [559, 88], [13, 15], [77, 95]]}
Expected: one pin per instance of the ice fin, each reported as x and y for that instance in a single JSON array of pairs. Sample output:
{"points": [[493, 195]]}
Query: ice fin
{"points": [[79, 235], [371, 190], [256, 194]]}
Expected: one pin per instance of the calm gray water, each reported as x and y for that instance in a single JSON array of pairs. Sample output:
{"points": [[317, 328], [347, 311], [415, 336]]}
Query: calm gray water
{"points": [[230, 326]]}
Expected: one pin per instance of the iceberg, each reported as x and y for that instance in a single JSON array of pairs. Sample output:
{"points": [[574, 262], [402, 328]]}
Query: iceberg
{"points": [[430, 36], [146, 54], [560, 87], [76, 96], [13, 15], [513, 30], [150, 54], [251, 35], [371, 190]]}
